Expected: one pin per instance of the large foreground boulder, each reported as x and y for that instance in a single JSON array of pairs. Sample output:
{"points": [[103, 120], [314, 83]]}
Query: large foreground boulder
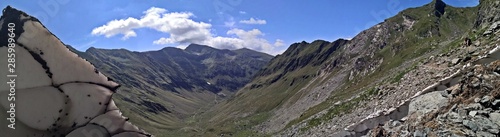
{"points": [[52, 91]]}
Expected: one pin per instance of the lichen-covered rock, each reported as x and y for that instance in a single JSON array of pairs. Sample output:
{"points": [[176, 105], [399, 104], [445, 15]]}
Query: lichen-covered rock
{"points": [[57, 93]]}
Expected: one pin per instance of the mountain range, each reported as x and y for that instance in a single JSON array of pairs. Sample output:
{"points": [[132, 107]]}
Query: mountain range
{"points": [[419, 68], [172, 84]]}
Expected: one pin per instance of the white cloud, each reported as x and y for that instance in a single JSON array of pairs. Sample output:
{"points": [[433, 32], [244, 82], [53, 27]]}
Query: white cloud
{"points": [[86, 45], [178, 24], [279, 43], [253, 21], [243, 12], [230, 23], [183, 30], [278, 51], [182, 46]]}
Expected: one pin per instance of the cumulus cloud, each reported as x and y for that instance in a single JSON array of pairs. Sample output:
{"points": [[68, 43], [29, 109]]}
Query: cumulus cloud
{"points": [[251, 39], [279, 43], [243, 12], [230, 23], [178, 24], [182, 30], [254, 21]]}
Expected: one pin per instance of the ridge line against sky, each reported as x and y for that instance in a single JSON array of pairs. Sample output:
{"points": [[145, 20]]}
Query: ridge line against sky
{"points": [[266, 26]]}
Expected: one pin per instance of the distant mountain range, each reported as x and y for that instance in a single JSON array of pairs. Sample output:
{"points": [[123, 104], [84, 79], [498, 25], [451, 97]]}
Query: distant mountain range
{"points": [[173, 83]]}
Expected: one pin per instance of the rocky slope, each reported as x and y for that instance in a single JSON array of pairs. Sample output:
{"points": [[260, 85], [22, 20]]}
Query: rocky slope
{"points": [[391, 97], [470, 108]]}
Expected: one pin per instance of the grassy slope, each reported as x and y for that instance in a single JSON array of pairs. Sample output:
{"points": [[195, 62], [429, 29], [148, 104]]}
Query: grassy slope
{"points": [[276, 83]]}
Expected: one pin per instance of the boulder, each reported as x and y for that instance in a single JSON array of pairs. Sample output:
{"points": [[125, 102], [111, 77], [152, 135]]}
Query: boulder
{"points": [[455, 61], [495, 118]]}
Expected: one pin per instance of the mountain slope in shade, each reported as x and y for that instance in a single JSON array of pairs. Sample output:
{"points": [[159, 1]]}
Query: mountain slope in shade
{"points": [[167, 86]]}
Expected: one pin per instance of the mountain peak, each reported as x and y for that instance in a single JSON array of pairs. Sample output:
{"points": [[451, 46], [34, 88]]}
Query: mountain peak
{"points": [[198, 48], [438, 6]]}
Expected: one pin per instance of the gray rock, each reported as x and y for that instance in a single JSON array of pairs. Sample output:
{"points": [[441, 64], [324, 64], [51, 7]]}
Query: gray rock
{"points": [[427, 103], [487, 77], [444, 133], [470, 124], [483, 112], [454, 117], [477, 43], [494, 131], [489, 110], [487, 85], [496, 102], [455, 135], [471, 49], [487, 32], [495, 118], [477, 100], [444, 93], [418, 133], [486, 99], [494, 26], [476, 83], [463, 113], [469, 133], [472, 113], [474, 106], [404, 133], [484, 124], [484, 134], [455, 92], [455, 61], [427, 130], [395, 123]]}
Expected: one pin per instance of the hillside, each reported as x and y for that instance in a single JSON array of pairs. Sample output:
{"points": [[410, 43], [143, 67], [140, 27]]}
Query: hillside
{"points": [[163, 89], [322, 87]]}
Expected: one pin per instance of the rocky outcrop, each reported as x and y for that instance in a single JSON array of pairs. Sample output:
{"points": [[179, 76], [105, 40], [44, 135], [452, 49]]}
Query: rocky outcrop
{"points": [[488, 13], [56, 92]]}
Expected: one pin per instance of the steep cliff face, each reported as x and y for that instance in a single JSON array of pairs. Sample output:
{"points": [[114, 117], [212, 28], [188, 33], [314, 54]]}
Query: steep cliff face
{"points": [[488, 13]]}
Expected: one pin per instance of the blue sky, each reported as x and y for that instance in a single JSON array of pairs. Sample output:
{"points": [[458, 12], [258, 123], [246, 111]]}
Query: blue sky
{"points": [[263, 25]]}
